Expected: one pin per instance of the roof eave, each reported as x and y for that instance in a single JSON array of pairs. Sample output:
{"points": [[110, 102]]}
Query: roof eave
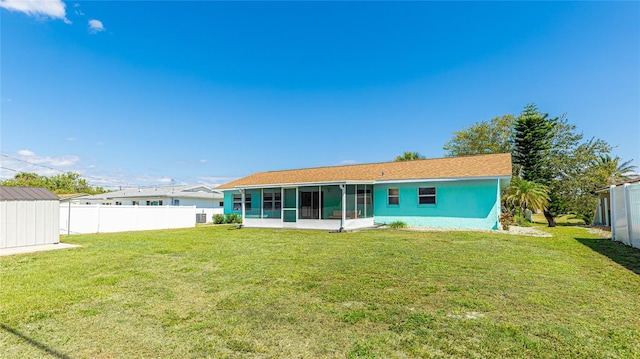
{"points": [[329, 183]]}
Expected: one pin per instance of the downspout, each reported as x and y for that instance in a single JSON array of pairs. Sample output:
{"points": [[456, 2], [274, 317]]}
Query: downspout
{"points": [[499, 203], [242, 204], [343, 217]]}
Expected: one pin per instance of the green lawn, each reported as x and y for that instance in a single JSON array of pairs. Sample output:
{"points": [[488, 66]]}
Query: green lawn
{"points": [[220, 292], [563, 220]]}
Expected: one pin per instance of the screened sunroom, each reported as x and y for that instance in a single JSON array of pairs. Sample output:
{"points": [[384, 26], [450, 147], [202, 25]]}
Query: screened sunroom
{"points": [[333, 206]]}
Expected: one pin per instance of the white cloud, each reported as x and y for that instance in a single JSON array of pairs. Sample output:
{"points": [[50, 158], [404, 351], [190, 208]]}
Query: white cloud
{"points": [[95, 26], [26, 153], [28, 161], [204, 160], [348, 162], [77, 9], [71, 138], [54, 9], [214, 181]]}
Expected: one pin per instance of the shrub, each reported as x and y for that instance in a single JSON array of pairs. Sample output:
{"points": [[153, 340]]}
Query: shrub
{"points": [[397, 224], [506, 220], [233, 218], [218, 218]]}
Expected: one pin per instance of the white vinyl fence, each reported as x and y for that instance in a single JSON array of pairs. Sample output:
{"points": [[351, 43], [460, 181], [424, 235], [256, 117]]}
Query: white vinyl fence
{"points": [[625, 215], [77, 219]]}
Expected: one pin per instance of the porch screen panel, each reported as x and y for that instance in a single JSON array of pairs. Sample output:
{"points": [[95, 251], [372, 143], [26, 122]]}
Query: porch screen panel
{"points": [[289, 209], [331, 202], [364, 202], [252, 203], [271, 203], [351, 201]]}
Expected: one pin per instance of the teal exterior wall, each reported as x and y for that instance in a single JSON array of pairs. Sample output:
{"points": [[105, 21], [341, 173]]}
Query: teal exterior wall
{"points": [[459, 204], [228, 202], [256, 202]]}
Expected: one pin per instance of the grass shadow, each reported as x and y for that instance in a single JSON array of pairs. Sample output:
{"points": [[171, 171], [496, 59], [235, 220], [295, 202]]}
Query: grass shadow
{"points": [[35, 343], [624, 255]]}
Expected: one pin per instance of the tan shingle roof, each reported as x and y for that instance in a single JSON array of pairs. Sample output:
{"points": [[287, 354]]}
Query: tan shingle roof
{"points": [[453, 167]]}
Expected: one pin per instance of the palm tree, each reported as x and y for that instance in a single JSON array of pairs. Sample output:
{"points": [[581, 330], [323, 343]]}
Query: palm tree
{"points": [[614, 171], [409, 156], [524, 194]]}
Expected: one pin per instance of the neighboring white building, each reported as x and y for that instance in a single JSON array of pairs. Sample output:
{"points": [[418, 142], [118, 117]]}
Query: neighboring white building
{"points": [[205, 199], [28, 216]]}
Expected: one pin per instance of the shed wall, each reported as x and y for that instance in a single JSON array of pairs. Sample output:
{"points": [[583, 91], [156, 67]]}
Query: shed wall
{"points": [[28, 223]]}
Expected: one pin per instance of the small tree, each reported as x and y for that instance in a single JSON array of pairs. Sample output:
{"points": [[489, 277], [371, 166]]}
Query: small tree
{"points": [[523, 194], [484, 137], [409, 156]]}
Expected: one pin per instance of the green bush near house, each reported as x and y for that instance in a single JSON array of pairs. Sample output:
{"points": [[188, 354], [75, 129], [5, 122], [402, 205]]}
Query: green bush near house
{"points": [[397, 225], [232, 218], [506, 220], [218, 218]]}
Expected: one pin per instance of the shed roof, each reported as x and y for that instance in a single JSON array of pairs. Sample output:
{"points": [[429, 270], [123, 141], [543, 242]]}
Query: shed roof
{"points": [[494, 165], [26, 194]]}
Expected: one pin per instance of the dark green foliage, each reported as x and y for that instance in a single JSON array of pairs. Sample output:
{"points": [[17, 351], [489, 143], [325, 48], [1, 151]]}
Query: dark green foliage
{"points": [[69, 182], [409, 156], [233, 218], [485, 137], [532, 142], [218, 218], [397, 225]]}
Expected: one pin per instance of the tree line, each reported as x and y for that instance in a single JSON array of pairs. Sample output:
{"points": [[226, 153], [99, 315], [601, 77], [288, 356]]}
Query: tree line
{"points": [[64, 183], [555, 169]]}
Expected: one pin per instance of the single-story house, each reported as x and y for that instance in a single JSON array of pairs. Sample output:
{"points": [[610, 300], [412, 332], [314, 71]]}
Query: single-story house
{"points": [[28, 216], [461, 192], [618, 206]]}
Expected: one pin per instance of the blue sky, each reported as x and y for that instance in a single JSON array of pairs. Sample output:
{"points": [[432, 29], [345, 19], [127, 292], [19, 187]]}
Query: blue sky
{"points": [[139, 93]]}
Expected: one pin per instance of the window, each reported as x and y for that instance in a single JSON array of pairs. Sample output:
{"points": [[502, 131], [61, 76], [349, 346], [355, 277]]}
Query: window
{"points": [[393, 195], [159, 203], [176, 202], [237, 202], [271, 203], [221, 204], [135, 203], [427, 195]]}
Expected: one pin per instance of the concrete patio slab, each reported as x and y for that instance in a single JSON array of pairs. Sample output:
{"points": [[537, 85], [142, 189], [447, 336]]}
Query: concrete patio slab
{"points": [[33, 249]]}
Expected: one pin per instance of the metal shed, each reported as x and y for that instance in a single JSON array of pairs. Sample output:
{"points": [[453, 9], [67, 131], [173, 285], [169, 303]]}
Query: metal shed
{"points": [[28, 216]]}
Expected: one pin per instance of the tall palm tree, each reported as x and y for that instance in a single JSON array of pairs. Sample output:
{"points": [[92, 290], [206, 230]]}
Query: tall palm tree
{"points": [[524, 194], [614, 171], [409, 156]]}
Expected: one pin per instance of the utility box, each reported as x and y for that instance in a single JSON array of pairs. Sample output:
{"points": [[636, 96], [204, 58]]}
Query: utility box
{"points": [[201, 218]]}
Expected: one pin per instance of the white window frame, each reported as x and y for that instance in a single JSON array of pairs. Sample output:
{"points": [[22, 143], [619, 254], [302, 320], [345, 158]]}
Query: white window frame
{"points": [[429, 195], [397, 196]]}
